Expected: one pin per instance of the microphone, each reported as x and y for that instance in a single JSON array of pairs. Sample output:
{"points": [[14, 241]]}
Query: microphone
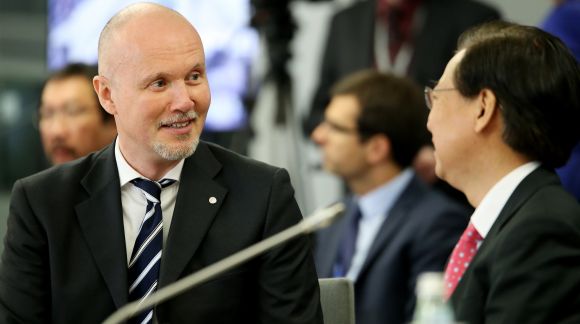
{"points": [[319, 219]]}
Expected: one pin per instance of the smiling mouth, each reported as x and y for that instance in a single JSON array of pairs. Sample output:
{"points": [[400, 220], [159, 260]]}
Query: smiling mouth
{"points": [[180, 120], [178, 125]]}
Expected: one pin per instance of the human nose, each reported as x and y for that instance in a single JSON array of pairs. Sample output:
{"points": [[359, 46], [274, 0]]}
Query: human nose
{"points": [[56, 126], [182, 97], [429, 120], [318, 134]]}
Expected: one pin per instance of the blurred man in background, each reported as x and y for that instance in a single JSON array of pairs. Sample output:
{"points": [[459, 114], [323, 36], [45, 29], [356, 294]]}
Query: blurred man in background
{"points": [[71, 121], [413, 38], [395, 226]]}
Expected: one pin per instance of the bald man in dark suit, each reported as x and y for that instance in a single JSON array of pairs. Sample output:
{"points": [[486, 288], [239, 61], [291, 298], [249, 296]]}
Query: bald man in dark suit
{"points": [[75, 250]]}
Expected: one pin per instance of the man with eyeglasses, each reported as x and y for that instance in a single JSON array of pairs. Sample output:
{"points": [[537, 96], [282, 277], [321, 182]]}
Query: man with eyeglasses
{"points": [[503, 115], [71, 121], [395, 226]]}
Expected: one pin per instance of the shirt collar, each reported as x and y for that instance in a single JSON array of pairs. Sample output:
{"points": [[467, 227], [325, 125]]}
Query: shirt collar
{"points": [[379, 201], [494, 200], [127, 173]]}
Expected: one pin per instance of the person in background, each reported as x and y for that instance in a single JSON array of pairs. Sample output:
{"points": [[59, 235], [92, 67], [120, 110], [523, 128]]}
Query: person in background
{"points": [[562, 21], [395, 226], [503, 115], [87, 237], [413, 38], [71, 121]]}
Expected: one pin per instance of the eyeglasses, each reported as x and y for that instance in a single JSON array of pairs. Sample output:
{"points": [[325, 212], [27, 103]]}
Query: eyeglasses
{"points": [[334, 127], [68, 111], [428, 93]]}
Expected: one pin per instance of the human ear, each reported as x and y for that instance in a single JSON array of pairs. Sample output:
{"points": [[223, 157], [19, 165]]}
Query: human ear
{"points": [[487, 108], [378, 148], [103, 88]]}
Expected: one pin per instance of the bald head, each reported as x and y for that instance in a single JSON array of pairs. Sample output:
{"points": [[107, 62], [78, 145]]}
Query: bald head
{"points": [[152, 79], [132, 24]]}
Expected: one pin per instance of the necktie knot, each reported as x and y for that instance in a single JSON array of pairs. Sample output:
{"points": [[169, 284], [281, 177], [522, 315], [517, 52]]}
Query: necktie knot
{"points": [[471, 235], [152, 188], [461, 257]]}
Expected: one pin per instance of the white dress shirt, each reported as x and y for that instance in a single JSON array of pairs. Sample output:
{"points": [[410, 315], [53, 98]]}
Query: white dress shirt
{"points": [[134, 203], [495, 199]]}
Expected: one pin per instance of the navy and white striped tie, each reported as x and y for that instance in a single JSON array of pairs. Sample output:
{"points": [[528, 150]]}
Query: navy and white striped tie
{"points": [[146, 256]]}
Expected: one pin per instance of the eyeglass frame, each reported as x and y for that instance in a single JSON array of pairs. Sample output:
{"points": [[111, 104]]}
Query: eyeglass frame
{"points": [[334, 127], [363, 133], [428, 91], [68, 111]]}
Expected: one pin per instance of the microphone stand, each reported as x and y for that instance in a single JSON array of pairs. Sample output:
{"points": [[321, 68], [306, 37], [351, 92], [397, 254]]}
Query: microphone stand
{"points": [[319, 219]]}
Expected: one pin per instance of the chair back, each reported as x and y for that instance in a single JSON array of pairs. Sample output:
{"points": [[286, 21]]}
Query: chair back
{"points": [[337, 300]]}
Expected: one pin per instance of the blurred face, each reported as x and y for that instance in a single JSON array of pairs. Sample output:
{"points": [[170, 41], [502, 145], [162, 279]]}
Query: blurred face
{"points": [[451, 125], [70, 121], [159, 94], [343, 152]]}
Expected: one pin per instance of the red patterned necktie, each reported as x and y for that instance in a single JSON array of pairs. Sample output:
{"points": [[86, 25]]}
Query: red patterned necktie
{"points": [[462, 254]]}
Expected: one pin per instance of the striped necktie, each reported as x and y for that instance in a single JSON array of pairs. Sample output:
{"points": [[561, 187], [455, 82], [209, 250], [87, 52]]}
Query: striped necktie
{"points": [[146, 256]]}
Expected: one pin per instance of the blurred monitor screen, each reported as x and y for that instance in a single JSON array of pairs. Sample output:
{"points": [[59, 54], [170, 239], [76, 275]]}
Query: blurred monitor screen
{"points": [[230, 45]]}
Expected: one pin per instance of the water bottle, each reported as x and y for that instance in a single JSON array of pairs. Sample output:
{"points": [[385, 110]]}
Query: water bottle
{"points": [[431, 306]]}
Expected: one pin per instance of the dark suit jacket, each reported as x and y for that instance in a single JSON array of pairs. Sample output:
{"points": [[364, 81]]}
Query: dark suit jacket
{"points": [[417, 236], [527, 269], [65, 259], [350, 44]]}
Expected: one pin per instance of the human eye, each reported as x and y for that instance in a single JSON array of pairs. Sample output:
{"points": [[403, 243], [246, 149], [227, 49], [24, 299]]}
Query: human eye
{"points": [[73, 110], [334, 127], [158, 84], [194, 76], [45, 114]]}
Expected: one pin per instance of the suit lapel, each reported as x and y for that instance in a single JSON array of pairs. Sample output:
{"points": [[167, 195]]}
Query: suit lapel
{"points": [[532, 183], [194, 212], [392, 225], [101, 221]]}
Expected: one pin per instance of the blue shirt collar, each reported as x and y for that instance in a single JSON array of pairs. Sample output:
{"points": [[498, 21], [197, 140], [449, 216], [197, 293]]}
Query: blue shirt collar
{"points": [[379, 202]]}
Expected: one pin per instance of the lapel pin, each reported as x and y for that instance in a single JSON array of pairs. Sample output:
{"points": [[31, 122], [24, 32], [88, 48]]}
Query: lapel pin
{"points": [[212, 200]]}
